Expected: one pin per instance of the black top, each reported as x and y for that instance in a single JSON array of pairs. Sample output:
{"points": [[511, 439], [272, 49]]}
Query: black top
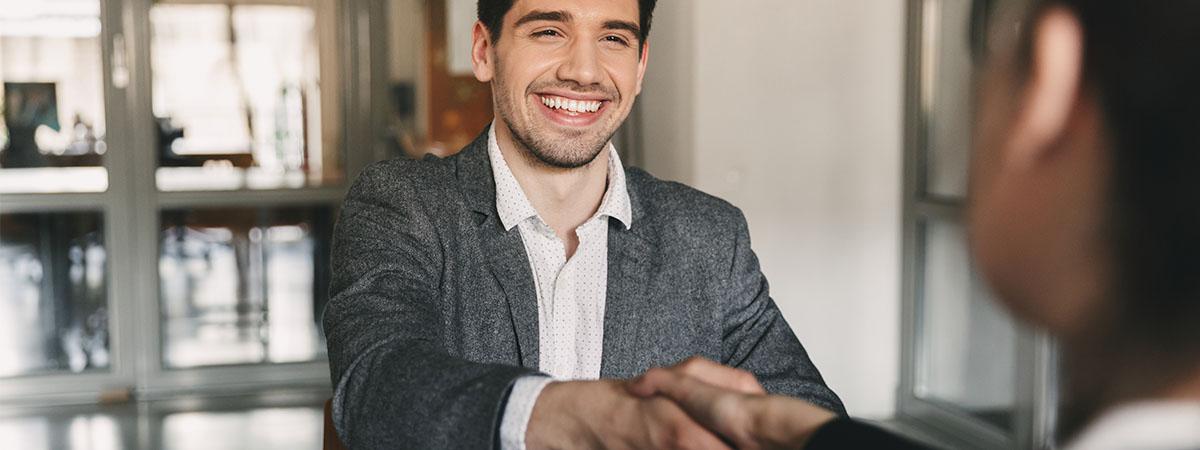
{"points": [[845, 433]]}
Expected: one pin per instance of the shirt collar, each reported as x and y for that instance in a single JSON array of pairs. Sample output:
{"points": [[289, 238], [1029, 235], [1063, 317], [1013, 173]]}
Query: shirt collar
{"points": [[1149, 424], [514, 207]]}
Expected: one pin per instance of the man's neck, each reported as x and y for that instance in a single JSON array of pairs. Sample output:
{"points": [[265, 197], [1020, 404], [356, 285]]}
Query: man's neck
{"points": [[564, 198], [1188, 389]]}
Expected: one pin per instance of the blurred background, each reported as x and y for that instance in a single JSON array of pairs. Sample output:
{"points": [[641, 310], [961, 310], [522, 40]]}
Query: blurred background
{"points": [[170, 171]]}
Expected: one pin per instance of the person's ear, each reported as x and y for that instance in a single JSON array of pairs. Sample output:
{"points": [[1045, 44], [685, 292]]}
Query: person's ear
{"points": [[645, 59], [482, 54], [1052, 88]]}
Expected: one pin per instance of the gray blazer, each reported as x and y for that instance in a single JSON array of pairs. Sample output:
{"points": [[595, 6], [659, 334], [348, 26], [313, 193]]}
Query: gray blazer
{"points": [[433, 313]]}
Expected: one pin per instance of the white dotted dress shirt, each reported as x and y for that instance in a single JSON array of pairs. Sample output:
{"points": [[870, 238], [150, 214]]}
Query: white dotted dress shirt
{"points": [[570, 292]]}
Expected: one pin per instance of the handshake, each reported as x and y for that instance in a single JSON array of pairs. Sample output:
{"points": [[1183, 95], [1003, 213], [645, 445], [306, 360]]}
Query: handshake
{"points": [[697, 404]]}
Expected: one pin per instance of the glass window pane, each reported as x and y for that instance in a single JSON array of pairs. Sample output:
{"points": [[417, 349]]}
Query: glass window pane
{"points": [[241, 97], [53, 293], [969, 344], [948, 92], [243, 286], [51, 97]]}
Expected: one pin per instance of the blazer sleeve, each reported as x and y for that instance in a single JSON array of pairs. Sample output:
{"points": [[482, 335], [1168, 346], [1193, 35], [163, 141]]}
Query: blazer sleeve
{"points": [[759, 340], [844, 432], [395, 385]]}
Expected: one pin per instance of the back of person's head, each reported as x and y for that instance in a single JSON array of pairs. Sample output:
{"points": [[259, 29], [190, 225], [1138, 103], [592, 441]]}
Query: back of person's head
{"points": [[1142, 63], [491, 14]]}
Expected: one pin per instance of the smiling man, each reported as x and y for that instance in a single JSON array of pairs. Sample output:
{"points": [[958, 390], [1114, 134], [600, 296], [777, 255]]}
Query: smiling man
{"points": [[498, 297]]}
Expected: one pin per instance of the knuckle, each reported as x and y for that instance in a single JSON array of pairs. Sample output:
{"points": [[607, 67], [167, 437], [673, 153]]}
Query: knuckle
{"points": [[742, 423], [677, 435], [692, 438], [690, 364], [655, 373], [664, 438], [747, 379]]}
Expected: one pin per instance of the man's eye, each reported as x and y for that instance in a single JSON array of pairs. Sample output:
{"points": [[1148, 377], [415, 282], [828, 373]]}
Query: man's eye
{"points": [[546, 33], [616, 39]]}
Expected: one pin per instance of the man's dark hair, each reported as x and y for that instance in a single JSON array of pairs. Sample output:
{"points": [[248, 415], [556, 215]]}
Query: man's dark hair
{"points": [[491, 13], [1141, 64]]}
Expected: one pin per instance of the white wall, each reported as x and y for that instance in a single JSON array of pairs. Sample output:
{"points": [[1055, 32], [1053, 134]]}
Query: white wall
{"points": [[668, 94], [792, 110]]}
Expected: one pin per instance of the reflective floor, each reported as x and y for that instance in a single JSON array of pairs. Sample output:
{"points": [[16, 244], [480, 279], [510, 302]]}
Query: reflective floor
{"points": [[256, 423], [54, 312]]}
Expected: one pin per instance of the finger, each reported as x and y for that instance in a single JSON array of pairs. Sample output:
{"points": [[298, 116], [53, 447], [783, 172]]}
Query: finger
{"points": [[684, 432], [717, 374], [694, 396], [723, 411], [649, 383], [697, 398]]}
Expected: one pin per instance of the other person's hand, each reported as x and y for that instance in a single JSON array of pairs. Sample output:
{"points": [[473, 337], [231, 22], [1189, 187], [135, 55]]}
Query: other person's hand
{"points": [[749, 420], [603, 414]]}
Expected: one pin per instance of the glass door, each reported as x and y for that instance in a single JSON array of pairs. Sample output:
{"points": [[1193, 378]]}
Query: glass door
{"points": [[246, 162], [63, 79]]}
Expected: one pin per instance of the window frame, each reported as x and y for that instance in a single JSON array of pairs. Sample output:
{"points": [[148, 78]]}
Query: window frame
{"points": [[115, 212], [1036, 390]]}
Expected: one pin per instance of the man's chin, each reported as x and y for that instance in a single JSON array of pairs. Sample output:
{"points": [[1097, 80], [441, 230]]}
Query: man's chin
{"points": [[569, 161], [562, 147], [557, 131]]}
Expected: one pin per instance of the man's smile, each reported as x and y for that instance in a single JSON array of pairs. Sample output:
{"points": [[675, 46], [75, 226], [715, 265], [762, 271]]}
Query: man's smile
{"points": [[573, 110], [571, 106]]}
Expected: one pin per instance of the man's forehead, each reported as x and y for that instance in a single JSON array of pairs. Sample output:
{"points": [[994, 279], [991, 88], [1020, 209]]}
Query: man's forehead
{"points": [[584, 10]]}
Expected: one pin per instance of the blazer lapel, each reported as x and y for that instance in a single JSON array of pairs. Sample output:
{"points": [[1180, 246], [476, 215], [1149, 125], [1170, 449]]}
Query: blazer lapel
{"points": [[510, 266], [503, 249], [629, 263]]}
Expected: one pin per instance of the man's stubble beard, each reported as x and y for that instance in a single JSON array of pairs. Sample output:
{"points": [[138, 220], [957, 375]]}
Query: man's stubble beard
{"points": [[539, 148]]}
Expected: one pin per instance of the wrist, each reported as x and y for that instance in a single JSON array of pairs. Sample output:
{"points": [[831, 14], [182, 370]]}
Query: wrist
{"points": [[555, 421], [786, 423]]}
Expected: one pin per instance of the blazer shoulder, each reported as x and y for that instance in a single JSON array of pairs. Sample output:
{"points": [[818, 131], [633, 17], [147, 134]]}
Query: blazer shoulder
{"points": [[404, 177], [672, 201]]}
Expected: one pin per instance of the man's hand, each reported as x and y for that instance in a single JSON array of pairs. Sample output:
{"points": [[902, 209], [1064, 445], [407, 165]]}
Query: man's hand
{"points": [[603, 414], [717, 375], [747, 418]]}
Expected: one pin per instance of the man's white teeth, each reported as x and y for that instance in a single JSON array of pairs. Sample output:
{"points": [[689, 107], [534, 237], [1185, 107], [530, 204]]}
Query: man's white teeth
{"points": [[575, 106]]}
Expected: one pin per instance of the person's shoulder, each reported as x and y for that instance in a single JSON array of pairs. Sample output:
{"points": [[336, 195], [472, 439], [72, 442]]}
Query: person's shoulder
{"points": [[406, 177], [677, 203], [404, 170]]}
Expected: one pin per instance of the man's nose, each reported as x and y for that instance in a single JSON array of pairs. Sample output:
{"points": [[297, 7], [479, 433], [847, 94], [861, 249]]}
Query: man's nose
{"points": [[582, 65]]}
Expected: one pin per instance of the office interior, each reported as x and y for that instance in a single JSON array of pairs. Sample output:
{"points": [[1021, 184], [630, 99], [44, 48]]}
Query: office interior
{"points": [[171, 171]]}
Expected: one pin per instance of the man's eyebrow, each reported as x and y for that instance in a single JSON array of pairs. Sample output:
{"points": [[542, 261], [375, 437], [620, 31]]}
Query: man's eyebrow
{"points": [[623, 25], [549, 16]]}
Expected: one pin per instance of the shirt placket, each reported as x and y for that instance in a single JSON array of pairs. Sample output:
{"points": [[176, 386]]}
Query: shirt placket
{"points": [[565, 315], [554, 303], [591, 250]]}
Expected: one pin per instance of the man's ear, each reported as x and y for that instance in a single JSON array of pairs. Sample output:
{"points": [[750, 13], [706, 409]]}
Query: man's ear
{"points": [[482, 62], [642, 63], [1052, 90]]}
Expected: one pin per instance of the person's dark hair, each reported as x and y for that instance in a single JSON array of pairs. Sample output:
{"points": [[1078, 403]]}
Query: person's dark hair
{"points": [[491, 13], [1141, 64]]}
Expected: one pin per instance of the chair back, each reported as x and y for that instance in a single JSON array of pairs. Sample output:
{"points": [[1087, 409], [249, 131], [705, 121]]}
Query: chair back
{"points": [[332, 442]]}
